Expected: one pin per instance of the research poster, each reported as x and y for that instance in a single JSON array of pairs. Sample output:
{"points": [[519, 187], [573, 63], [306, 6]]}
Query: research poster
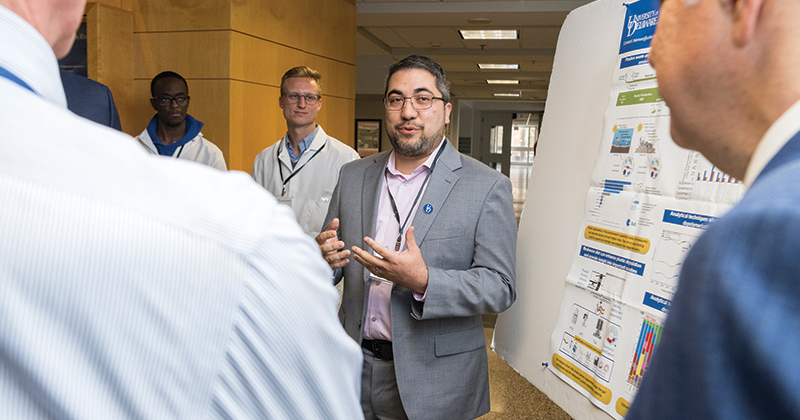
{"points": [[647, 203]]}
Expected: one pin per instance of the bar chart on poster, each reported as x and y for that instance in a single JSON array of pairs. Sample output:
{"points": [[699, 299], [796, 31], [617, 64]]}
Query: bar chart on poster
{"points": [[648, 339]]}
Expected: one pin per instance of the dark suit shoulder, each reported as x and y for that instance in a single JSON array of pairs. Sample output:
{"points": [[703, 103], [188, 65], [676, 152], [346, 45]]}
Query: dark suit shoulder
{"points": [[90, 99], [79, 86]]}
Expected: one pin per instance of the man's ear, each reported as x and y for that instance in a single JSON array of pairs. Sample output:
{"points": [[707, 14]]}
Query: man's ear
{"points": [[746, 15], [153, 103]]}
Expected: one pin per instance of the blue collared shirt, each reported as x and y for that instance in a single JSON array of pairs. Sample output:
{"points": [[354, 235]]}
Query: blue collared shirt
{"points": [[303, 146]]}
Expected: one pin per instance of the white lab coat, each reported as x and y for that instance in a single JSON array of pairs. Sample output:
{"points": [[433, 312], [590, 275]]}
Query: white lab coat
{"points": [[309, 191], [198, 150]]}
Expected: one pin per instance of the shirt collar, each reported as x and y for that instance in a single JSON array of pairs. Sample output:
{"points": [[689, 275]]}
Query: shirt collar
{"points": [[778, 134], [420, 169], [304, 145], [27, 55]]}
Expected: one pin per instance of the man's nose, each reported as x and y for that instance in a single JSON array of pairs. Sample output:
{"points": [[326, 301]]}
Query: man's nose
{"points": [[408, 111]]}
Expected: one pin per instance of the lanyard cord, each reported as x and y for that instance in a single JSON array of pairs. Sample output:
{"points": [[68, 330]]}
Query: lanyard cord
{"points": [[401, 227], [180, 151], [11, 76], [280, 168]]}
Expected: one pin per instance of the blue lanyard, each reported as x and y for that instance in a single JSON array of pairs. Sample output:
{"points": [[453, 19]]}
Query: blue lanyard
{"points": [[10, 76]]}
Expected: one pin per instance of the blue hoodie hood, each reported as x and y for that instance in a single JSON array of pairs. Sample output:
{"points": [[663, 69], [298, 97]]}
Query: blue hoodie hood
{"points": [[193, 127]]}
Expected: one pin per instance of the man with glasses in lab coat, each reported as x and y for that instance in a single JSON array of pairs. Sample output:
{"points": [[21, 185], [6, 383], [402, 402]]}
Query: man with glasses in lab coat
{"points": [[302, 168]]}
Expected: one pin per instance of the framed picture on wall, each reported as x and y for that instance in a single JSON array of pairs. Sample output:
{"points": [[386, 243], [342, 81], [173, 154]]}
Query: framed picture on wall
{"points": [[368, 137]]}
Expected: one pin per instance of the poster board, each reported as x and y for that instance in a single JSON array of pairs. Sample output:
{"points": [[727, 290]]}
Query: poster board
{"points": [[609, 196]]}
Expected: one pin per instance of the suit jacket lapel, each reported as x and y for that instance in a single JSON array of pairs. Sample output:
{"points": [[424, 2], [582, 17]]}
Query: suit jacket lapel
{"points": [[441, 183], [370, 192]]}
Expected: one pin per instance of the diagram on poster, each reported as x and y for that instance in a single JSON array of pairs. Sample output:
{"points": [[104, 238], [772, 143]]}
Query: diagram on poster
{"points": [[648, 202]]}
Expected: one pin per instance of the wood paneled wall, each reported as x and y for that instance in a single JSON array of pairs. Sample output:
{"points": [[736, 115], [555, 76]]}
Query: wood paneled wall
{"points": [[233, 54], [109, 47]]}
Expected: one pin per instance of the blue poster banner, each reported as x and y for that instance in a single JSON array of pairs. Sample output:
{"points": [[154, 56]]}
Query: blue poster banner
{"points": [[657, 302], [634, 60], [616, 261], [640, 25], [692, 220]]}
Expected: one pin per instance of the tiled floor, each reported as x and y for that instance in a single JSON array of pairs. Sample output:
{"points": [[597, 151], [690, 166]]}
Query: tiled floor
{"points": [[513, 397]]}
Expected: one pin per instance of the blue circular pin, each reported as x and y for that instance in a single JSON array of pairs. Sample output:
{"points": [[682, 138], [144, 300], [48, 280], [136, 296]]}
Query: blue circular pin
{"points": [[428, 209]]}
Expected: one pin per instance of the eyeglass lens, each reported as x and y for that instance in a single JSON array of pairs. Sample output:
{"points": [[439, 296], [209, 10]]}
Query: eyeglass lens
{"points": [[167, 100], [419, 102], [310, 98]]}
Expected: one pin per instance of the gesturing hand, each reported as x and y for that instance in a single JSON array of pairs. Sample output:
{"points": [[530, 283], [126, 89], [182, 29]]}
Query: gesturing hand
{"points": [[407, 268], [330, 246]]}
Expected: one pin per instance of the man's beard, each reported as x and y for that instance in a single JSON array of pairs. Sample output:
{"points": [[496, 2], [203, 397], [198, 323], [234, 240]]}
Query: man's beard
{"points": [[423, 147]]}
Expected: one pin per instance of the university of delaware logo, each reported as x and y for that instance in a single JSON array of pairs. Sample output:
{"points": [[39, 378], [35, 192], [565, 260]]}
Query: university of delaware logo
{"points": [[639, 25], [642, 21]]}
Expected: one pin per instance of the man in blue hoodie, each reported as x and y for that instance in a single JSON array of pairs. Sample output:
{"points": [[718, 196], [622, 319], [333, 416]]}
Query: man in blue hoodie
{"points": [[173, 132]]}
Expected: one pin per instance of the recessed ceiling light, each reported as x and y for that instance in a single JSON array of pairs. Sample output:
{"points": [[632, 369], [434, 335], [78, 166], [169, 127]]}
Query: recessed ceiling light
{"points": [[488, 34], [502, 82], [498, 66], [516, 95]]}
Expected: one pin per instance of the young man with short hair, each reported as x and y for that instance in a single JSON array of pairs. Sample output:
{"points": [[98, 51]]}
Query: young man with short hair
{"points": [[172, 131]]}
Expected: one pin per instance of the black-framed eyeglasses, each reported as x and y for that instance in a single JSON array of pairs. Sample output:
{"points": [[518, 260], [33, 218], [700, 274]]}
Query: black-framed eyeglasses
{"points": [[167, 100], [310, 98], [420, 101]]}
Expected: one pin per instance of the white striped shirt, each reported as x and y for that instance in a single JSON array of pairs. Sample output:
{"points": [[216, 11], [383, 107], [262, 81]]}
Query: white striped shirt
{"points": [[133, 286]]}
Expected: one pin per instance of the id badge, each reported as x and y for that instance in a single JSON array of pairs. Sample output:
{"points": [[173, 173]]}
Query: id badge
{"points": [[285, 200]]}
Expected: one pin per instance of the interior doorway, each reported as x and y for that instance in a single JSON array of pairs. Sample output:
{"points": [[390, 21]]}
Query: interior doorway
{"points": [[496, 140], [508, 143]]}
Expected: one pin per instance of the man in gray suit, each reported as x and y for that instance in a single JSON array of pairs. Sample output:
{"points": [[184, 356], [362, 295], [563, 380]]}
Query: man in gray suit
{"points": [[442, 235]]}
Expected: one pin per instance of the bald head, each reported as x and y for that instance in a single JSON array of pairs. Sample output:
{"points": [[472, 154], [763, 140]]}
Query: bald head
{"points": [[56, 20]]}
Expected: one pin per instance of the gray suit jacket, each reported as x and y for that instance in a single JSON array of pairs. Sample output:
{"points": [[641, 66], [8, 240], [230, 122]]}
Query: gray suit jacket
{"points": [[468, 243]]}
